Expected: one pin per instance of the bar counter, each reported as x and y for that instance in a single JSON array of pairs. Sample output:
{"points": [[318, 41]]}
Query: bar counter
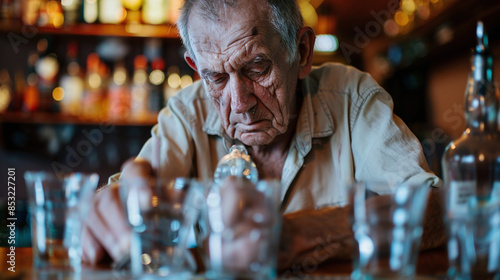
{"points": [[431, 265]]}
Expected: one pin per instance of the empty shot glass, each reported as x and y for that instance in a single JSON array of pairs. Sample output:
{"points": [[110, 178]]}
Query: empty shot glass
{"points": [[243, 222], [474, 241], [161, 213], [388, 228], [58, 204]]}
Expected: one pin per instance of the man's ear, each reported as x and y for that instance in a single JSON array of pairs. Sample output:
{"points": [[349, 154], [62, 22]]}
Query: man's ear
{"points": [[190, 61], [306, 48]]}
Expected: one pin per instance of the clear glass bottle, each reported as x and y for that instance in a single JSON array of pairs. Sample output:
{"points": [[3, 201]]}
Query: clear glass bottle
{"points": [[236, 163], [471, 168]]}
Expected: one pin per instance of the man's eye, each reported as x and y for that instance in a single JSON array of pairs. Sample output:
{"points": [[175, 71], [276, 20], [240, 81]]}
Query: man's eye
{"points": [[219, 79], [256, 73]]}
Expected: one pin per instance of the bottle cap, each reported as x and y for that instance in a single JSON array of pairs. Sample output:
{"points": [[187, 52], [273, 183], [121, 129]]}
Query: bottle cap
{"points": [[482, 39], [93, 62], [140, 62], [158, 64]]}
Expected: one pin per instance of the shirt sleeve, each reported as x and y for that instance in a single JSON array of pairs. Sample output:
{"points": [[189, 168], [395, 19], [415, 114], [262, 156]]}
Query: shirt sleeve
{"points": [[384, 148], [169, 150]]}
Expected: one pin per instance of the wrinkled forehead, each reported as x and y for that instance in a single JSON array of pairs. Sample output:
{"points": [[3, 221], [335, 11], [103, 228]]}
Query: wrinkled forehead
{"points": [[215, 31], [231, 10]]}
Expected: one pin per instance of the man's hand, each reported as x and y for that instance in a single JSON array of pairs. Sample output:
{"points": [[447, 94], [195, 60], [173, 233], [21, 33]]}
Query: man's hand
{"points": [[107, 233], [317, 235], [247, 217], [325, 234]]}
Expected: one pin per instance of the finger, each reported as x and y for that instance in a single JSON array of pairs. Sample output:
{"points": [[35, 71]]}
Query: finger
{"points": [[108, 224], [137, 167], [243, 250], [93, 252], [233, 201]]}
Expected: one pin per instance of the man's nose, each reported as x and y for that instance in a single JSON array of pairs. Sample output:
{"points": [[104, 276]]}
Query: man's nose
{"points": [[242, 94]]}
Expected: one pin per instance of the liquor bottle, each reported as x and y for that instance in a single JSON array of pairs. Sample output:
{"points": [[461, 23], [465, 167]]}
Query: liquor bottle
{"points": [[118, 94], [71, 11], [93, 93], [186, 80], [72, 83], [47, 68], [471, 167], [6, 12], [173, 84], [174, 10], [111, 11], [139, 90], [133, 10], [19, 86], [30, 11], [5, 90], [31, 94], [90, 10], [50, 14], [155, 11], [236, 163], [156, 79]]}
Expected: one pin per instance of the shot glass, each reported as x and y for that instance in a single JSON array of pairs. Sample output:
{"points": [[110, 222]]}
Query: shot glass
{"points": [[161, 214], [58, 205], [387, 228], [243, 226], [474, 241]]}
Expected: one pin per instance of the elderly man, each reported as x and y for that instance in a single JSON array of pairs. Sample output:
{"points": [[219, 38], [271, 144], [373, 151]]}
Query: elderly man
{"points": [[314, 129]]}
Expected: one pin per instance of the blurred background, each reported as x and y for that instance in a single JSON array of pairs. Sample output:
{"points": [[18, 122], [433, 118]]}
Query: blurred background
{"points": [[81, 81]]}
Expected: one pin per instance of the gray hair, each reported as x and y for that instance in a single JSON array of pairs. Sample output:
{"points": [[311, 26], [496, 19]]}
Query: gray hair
{"points": [[285, 18]]}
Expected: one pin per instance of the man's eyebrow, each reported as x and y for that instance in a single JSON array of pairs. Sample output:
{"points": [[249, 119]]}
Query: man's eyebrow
{"points": [[208, 73]]}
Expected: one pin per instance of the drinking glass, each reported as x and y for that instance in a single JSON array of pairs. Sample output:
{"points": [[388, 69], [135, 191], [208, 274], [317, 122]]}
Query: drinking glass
{"points": [[161, 213], [243, 223], [58, 205], [474, 241], [388, 228]]}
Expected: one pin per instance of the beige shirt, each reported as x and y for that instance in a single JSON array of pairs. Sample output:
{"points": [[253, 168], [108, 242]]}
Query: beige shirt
{"points": [[346, 131]]}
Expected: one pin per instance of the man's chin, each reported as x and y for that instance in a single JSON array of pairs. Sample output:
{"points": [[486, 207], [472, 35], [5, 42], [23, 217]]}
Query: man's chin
{"points": [[256, 138]]}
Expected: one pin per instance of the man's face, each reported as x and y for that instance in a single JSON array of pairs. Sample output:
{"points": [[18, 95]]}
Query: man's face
{"points": [[244, 68]]}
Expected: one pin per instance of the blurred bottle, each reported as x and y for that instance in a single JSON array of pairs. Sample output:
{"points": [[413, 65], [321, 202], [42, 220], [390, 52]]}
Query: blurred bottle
{"points": [[111, 11], [31, 95], [118, 94], [30, 11], [6, 12], [47, 68], [90, 11], [156, 78], [104, 73], [186, 80], [471, 168], [236, 163], [139, 90], [174, 10], [19, 86], [133, 10], [50, 14], [72, 83], [93, 94], [5, 90], [155, 11], [173, 84], [71, 11]]}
